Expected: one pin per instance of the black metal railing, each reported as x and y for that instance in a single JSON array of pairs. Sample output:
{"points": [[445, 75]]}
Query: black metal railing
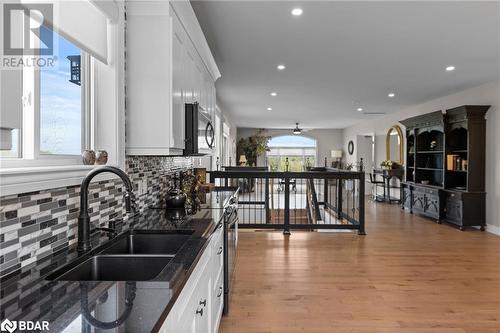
{"points": [[318, 199]]}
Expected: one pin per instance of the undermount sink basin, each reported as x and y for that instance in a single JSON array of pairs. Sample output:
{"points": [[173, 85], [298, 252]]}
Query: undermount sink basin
{"points": [[134, 256], [115, 268], [148, 244]]}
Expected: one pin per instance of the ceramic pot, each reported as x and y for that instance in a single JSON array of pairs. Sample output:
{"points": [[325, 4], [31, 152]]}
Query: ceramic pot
{"points": [[88, 157], [101, 157]]}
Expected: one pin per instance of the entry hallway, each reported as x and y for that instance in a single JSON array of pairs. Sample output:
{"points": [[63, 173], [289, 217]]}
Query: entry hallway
{"points": [[407, 275]]}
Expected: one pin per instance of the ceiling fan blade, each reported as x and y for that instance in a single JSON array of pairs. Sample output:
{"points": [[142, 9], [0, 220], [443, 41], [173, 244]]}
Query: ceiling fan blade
{"points": [[374, 113]]}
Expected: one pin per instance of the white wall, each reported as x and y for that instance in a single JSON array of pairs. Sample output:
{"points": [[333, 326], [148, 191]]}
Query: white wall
{"points": [[327, 139], [488, 94]]}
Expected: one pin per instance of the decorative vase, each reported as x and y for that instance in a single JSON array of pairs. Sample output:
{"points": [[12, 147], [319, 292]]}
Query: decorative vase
{"points": [[88, 157], [101, 157]]}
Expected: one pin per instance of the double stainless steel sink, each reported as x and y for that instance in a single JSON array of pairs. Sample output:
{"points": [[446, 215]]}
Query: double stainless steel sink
{"points": [[133, 256]]}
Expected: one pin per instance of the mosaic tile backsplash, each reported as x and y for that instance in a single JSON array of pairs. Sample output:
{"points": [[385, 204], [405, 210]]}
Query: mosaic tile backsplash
{"points": [[37, 224]]}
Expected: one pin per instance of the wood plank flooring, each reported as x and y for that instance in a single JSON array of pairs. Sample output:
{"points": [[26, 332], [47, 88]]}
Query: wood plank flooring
{"points": [[408, 275]]}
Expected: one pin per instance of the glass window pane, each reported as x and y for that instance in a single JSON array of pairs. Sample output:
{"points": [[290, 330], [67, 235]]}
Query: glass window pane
{"points": [[60, 103], [10, 143], [291, 141]]}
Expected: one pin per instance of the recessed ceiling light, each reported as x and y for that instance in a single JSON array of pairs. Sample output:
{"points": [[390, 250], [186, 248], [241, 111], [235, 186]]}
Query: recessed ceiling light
{"points": [[359, 109], [280, 67], [297, 11], [391, 95], [450, 68], [269, 109], [274, 94]]}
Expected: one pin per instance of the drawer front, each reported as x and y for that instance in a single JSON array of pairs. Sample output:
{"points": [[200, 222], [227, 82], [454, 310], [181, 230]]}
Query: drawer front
{"points": [[454, 195]]}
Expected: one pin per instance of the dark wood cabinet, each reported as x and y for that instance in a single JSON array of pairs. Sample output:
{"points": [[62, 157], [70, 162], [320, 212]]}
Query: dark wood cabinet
{"points": [[407, 198], [423, 200], [445, 165]]}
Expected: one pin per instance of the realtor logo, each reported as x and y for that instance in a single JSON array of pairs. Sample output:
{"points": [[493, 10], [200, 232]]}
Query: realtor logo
{"points": [[8, 326], [25, 326], [21, 29]]}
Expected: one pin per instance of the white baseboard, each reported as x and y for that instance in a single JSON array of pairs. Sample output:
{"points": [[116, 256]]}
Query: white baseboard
{"points": [[493, 229]]}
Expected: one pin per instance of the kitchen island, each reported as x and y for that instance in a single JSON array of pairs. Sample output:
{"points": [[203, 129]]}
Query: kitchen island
{"points": [[128, 306]]}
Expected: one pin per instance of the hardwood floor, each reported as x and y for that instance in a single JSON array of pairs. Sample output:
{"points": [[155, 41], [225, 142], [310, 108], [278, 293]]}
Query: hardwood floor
{"points": [[407, 275]]}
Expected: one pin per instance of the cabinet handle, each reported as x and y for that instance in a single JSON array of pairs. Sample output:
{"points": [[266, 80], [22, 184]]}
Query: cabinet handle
{"points": [[204, 302], [220, 251], [220, 292], [200, 312]]}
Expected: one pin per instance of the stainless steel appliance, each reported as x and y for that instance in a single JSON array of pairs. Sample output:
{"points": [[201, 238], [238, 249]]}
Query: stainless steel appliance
{"points": [[230, 246], [200, 134]]}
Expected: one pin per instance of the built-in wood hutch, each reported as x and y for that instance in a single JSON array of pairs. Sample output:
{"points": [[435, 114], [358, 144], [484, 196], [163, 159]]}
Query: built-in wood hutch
{"points": [[445, 165]]}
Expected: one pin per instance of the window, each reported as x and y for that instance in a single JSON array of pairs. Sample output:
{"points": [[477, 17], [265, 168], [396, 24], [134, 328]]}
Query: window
{"points": [[56, 118], [61, 103], [49, 116], [299, 150]]}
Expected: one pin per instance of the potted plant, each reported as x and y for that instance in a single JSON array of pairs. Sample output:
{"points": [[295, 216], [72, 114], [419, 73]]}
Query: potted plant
{"points": [[254, 146], [389, 165], [386, 165]]}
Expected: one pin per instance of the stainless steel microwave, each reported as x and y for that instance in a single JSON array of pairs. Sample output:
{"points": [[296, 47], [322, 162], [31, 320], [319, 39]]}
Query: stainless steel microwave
{"points": [[200, 134]]}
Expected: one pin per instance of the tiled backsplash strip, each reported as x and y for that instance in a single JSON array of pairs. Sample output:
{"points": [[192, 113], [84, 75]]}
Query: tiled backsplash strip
{"points": [[37, 224]]}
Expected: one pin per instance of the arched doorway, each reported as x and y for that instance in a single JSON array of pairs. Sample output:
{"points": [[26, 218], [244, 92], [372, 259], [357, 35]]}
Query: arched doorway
{"points": [[301, 151]]}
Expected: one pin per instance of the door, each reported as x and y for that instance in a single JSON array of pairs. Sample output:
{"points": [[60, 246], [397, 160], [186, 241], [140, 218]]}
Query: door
{"points": [[366, 151], [178, 77]]}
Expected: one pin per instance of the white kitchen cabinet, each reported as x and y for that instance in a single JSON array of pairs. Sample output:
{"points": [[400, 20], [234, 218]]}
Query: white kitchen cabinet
{"points": [[198, 309], [178, 83], [151, 124], [169, 64]]}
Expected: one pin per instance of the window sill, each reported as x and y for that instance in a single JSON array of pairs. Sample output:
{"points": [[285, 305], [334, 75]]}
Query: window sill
{"points": [[29, 179]]}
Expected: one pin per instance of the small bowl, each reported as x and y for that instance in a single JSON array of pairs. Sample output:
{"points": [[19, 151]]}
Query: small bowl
{"points": [[425, 182]]}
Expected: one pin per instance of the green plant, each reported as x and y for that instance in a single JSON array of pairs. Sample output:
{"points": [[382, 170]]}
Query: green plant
{"points": [[254, 146], [389, 164]]}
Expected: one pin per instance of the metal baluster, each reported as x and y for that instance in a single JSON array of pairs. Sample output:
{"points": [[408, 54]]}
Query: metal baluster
{"points": [[286, 230], [361, 230]]}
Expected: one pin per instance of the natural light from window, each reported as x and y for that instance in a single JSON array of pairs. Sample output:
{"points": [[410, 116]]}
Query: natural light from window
{"points": [[60, 105], [300, 151]]}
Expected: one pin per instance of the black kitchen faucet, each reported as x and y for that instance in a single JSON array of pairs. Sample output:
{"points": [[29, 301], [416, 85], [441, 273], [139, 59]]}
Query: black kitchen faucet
{"points": [[84, 218]]}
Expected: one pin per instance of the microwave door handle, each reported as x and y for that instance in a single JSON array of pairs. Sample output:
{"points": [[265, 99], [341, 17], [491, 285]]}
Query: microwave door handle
{"points": [[210, 129]]}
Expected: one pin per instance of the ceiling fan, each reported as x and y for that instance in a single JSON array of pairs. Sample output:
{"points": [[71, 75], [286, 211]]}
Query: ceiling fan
{"points": [[297, 130], [374, 113]]}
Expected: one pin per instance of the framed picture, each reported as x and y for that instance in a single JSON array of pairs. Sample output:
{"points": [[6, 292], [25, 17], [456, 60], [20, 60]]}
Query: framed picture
{"points": [[350, 147]]}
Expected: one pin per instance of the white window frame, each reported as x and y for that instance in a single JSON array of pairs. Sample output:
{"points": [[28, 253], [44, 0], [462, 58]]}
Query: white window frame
{"points": [[108, 102], [29, 150]]}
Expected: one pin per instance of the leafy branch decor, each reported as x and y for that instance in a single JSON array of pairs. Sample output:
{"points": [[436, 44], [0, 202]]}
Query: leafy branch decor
{"points": [[254, 146], [388, 164]]}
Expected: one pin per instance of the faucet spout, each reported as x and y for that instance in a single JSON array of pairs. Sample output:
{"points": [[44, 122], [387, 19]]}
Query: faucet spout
{"points": [[84, 244]]}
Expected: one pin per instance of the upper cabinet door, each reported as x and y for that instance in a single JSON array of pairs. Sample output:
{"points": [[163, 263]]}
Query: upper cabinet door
{"points": [[198, 85], [190, 91], [178, 77]]}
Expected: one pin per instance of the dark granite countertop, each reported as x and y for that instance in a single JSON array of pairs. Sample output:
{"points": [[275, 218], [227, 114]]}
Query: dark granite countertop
{"points": [[76, 306]]}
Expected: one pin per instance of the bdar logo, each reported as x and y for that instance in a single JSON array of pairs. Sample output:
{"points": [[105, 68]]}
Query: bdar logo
{"points": [[8, 326]]}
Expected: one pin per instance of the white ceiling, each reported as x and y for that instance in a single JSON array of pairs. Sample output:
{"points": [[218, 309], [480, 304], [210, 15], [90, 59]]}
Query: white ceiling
{"points": [[343, 55]]}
